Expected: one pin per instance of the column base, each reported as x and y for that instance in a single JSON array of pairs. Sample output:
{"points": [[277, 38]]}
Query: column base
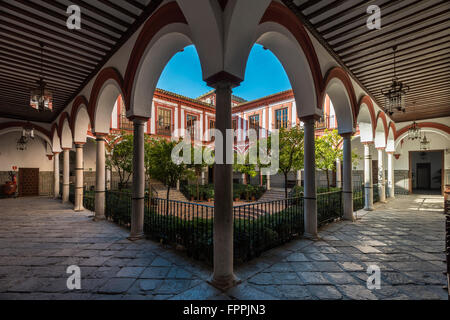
{"points": [[224, 283], [310, 236], [352, 219], [99, 218], [136, 237], [79, 209], [368, 209]]}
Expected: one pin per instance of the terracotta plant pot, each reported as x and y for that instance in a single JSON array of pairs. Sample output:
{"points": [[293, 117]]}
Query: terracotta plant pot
{"points": [[9, 188], [236, 199]]}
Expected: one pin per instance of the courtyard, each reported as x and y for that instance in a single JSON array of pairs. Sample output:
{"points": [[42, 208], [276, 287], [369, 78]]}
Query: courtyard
{"points": [[40, 238]]}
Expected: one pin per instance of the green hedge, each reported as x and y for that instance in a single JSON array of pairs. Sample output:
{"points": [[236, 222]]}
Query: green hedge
{"points": [[240, 191]]}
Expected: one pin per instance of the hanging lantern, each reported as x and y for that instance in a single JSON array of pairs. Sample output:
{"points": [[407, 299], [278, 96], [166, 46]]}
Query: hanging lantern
{"points": [[395, 94], [414, 132], [424, 143], [41, 98]]}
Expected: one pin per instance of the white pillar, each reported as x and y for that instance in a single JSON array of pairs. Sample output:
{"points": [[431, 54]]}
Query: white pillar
{"points": [[347, 190], [338, 173], [66, 175], [391, 182], [368, 183], [178, 185], [108, 179], [56, 175], [137, 214], [244, 181], [203, 178], [381, 176], [310, 199], [268, 182], [79, 170], [299, 178], [100, 178], [223, 276]]}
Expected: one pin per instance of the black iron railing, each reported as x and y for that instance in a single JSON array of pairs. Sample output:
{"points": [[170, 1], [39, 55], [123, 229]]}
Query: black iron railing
{"points": [[447, 237], [187, 225], [89, 200], [376, 193], [263, 225], [329, 207], [358, 197], [118, 207]]}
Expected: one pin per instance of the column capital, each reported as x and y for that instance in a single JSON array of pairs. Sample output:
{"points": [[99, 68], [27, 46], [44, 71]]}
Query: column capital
{"points": [[79, 144], [313, 117], [56, 152], [138, 121], [390, 152], [368, 143], [66, 149], [380, 148], [223, 78]]}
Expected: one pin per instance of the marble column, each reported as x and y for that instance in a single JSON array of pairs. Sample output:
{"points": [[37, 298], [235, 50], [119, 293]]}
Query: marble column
{"points": [[66, 175], [100, 178], [79, 171], [381, 175], [223, 275], [108, 178], [310, 197], [299, 178], [368, 183], [137, 214], [338, 174], [347, 190], [391, 182], [56, 175], [268, 182]]}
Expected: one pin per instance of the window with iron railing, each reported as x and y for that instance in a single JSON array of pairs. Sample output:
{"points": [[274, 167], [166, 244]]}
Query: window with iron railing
{"points": [[164, 124], [254, 124], [190, 125], [281, 118], [124, 123]]}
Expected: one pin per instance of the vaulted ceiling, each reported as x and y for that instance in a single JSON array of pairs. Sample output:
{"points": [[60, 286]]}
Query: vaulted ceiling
{"points": [[420, 29], [71, 57]]}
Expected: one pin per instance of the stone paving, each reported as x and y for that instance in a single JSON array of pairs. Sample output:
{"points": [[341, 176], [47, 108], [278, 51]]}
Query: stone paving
{"points": [[40, 238]]}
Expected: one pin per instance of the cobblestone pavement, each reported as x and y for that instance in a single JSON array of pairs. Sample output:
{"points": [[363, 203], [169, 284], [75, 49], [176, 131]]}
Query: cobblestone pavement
{"points": [[40, 238]]}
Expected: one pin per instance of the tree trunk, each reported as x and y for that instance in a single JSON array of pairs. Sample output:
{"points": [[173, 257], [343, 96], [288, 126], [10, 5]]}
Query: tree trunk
{"points": [[167, 198], [285, 185], [328, 180]]}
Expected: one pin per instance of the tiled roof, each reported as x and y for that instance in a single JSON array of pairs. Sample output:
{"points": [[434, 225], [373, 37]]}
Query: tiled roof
{"points": [[185, 98]]}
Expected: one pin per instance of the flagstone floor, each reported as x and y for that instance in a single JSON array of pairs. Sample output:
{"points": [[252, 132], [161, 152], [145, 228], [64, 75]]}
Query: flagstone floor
{"points": [[40, 238]]}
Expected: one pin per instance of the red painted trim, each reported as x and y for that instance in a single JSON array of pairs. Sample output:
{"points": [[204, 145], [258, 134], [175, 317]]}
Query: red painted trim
{"points": [[103, 76], [77, 103], [52, 131], [12, 124], [434, 125], [341, 74], [394, 129], [282, 15], [165, 15], [265, 101], [63, 116]]}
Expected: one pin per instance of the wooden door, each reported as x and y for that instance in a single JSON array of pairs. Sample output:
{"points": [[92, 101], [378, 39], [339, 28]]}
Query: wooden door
{"points": [[374, 171], [423, 176], [28, 182]]}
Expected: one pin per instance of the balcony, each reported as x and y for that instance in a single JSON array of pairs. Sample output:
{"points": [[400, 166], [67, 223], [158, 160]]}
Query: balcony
{"points": [[164, 130]]}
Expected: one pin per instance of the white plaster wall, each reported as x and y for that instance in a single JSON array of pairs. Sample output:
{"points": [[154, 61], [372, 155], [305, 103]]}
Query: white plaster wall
{"points": [[33, 157]]}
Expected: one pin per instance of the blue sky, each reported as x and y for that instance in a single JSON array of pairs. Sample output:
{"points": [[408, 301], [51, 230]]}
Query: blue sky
{"points": [[264, 75]]}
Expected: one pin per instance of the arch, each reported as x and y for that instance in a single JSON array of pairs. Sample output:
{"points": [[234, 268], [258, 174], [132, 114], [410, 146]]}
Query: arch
{"points": [[13, 126], [439, 126], [56, 141], [338, 86], [106, 89], [366, 119], [79, 119], [165, 33], [64, 132], [283, 33], [381, 130], [390, 142]]}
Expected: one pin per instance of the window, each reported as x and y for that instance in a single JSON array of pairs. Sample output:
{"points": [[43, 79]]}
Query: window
{"points": [[254, 124], [190, 125], [212, 125], [234, 124], [164, 124], [124, 123], [281, 118]]}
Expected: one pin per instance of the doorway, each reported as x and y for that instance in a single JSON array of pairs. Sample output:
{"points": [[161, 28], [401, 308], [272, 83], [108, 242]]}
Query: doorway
{"points": [[28, 182], [426, 171]]}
